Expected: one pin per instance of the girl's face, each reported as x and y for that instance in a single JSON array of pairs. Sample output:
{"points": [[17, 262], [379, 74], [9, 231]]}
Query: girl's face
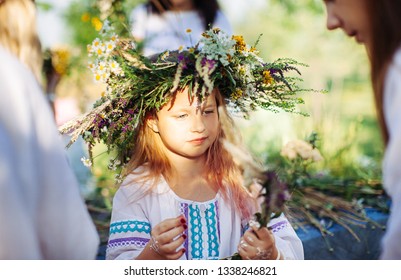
{"points": [[351, 16], [187, 129]]}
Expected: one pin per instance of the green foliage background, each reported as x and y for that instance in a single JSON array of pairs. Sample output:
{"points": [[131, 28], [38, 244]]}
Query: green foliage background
{"points": [[344, 118]]}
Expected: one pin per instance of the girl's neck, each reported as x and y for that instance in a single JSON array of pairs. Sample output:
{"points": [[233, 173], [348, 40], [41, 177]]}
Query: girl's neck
{"points": [[189, 181], [193, 188]]}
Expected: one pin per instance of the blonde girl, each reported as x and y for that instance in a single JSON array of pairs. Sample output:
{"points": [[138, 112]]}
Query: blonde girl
{"points": [[166, 119], [184, 196]]}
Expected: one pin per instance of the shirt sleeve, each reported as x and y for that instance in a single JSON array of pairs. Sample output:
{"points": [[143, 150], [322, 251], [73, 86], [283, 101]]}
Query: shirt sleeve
{"points": [[223, 23], [42, 213], [138, 19], [391, 247], [129, 227], [287, 240]]}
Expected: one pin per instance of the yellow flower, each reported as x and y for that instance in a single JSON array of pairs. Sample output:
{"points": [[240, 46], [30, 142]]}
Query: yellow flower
{"points": [[204, 34], [98, 76], [60, 60], [85, 17], [191, 50], [242, 70], [97, 23], [236, 94], [165, 55], [99, 51], [253, 50], [216, 30], [267, 78], [180, 48], [240, 43], [189, 30]]}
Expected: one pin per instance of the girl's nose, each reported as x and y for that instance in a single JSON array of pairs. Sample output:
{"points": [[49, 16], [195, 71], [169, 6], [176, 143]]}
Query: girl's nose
{"points": [[198, 124], [333, 22]]}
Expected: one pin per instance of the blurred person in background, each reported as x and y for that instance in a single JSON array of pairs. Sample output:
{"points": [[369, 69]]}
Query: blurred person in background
{"points": [[377, 25], [42, 214], [175, 24], [56, 67]]}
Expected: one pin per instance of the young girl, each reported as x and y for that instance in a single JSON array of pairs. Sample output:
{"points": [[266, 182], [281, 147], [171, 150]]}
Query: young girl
{"points": [[376, 24], [183, 193], [184, 198]]}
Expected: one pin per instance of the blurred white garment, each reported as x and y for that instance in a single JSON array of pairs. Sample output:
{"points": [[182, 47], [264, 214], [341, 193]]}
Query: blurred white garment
{"points": [[168, 30], [391, 245], [42, 213], [66, 109]]}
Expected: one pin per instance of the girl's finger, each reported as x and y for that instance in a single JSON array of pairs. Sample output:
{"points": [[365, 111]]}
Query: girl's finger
{"points": [[172, 246], [244, 254], [244, 245], [250, 238], [261, 233], [172, 234], [177, 255], [169, 224]]}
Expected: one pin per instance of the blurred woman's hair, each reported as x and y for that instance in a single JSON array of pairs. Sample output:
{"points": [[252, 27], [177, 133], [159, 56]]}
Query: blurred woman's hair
{"points": [[386, 39], [207, 9], [18, 33]]}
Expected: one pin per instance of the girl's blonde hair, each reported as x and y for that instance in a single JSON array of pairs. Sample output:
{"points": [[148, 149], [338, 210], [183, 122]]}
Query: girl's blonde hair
{"points": [[222, 171], [18, 33]]}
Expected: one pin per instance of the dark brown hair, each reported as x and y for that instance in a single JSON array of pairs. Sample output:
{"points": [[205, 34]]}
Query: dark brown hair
{"points": [[386, 39], [207, 9]]}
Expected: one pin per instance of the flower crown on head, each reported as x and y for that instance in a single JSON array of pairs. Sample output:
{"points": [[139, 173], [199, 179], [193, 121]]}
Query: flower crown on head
{"points": [[137, 85]]}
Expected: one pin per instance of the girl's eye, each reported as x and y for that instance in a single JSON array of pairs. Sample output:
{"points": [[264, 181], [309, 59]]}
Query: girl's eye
{"points": [[207, 112], [182, 116]]}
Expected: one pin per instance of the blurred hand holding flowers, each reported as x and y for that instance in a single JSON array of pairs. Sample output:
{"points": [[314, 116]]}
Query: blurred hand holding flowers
{"points": [[271, 196]]}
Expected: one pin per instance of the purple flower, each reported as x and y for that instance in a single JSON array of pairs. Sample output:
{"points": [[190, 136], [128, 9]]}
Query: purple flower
{"points": [[180, 57], [208, 62], [275, 194]]}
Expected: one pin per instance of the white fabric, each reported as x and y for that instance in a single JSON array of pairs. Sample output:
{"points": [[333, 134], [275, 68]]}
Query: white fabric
{"points": [[214, 228], [391, 163], [42, 214], [167, 31]]}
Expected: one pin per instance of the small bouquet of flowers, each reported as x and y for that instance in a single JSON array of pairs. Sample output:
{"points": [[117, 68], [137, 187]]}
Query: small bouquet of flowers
{"points": [[271, 196]]}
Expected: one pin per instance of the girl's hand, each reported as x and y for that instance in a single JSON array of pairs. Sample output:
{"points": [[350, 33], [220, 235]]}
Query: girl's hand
{"points": [[257, 244], [166, 237]]}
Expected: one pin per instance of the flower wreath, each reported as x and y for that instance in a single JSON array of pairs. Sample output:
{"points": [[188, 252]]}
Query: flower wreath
{"points": [[136, 85]]}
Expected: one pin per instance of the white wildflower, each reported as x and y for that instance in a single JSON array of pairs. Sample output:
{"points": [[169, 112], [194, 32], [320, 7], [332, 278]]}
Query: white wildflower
{"points": [[115, 67], [217, 46], [119, 178], [106, 28], [87, 162], [110, 46], [164, 55], [302, 149]]}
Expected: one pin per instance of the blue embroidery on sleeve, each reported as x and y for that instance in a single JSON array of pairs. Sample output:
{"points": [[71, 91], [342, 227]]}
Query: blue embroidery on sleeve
{"points": [[130, 226]]}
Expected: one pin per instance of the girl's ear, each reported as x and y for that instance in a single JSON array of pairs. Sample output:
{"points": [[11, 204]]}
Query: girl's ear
{"points": [[152, 123]]}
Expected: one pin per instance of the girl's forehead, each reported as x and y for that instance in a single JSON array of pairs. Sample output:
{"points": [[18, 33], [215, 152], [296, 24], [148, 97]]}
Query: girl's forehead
{"points": [[183, 98]]}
